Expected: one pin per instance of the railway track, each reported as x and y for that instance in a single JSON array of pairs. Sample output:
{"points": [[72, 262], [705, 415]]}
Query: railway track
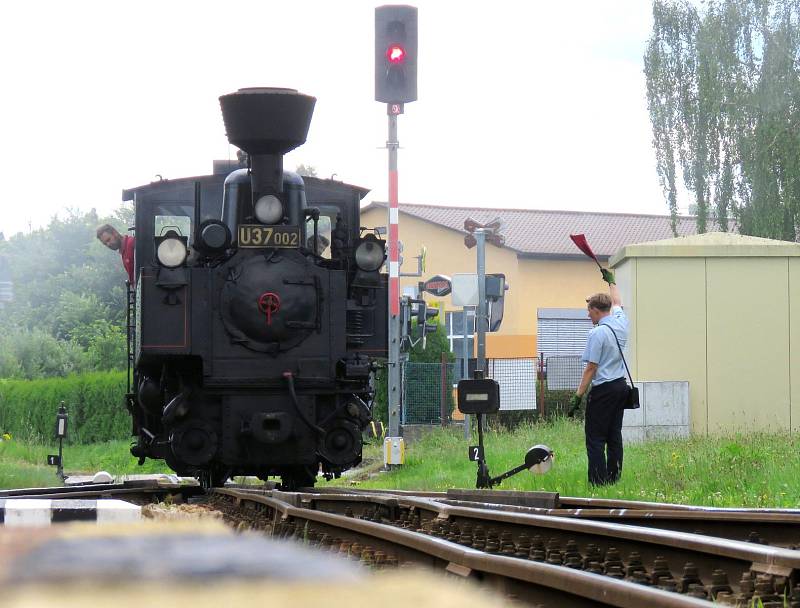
{"points": [[139, 491], [777, 527], [539, 548], [539, 559]]}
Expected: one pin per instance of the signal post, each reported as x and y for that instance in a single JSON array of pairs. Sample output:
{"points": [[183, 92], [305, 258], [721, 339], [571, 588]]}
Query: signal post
{"points": [[395, 84]]}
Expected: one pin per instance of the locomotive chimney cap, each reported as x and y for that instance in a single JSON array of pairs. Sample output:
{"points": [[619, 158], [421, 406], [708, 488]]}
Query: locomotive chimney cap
{"points": [[264, 120]]}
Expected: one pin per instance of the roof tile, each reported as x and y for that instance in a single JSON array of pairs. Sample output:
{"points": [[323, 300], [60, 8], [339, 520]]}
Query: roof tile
{"points": [[546, 233]]}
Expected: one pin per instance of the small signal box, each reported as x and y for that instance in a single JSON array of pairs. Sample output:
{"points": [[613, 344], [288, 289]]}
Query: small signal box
{"points": [[478, 396]]}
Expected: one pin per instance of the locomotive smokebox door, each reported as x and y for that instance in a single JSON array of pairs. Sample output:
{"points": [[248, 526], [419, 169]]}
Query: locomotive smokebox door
{"points": [[478, 396]]}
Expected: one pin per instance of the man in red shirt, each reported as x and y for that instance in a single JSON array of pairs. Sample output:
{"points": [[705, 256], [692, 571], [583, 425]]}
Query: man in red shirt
{"points": [[112, 239]]}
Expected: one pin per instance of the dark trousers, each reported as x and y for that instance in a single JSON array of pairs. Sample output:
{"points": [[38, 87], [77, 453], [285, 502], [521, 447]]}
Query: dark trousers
{"points": [[604, 413]]}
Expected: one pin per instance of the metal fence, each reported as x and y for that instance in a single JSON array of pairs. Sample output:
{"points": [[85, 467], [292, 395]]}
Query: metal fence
{"points": [[563, 373], [517, 380], [424, 399]]}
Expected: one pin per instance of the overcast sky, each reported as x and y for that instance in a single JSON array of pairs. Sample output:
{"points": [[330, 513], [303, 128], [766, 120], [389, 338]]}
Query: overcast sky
{"points": [[521, 104]]}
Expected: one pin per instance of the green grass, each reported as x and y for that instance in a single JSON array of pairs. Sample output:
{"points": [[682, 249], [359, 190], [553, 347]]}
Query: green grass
{"points": [[752, 470], [23, 465]]}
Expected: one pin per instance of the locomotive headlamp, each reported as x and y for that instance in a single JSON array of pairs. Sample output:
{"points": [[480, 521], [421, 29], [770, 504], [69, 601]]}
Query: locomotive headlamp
{"points": [[213, 236], [171, 249], [269, 209], [370, 254]]}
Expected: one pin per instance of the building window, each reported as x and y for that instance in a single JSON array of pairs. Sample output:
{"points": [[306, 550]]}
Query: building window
{"points": [[562, 331], [454, 321]]}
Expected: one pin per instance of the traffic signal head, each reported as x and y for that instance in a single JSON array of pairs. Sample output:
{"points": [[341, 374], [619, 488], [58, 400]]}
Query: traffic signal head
{"points": [[405, 318], [496, 288], [431, 320], [426, 320], [420, 312], [396, 53]]}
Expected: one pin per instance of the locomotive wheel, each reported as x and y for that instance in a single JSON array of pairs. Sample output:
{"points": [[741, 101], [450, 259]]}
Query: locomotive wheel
{"points": [[194, 442], [341, 445], [298, 477]]}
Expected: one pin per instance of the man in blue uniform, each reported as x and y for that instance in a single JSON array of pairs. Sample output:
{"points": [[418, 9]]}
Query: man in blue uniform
{"points": [[605, 371]]}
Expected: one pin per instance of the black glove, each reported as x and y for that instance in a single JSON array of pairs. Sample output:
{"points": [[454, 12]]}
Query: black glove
{"points": [[608, 276], [574, 405]]}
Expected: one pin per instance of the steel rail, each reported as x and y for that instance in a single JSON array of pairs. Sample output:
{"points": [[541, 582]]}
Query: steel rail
{"points": [[111, 490], [527, 580], [678, 548], [552, 500], [572, 502], [777, 527]]}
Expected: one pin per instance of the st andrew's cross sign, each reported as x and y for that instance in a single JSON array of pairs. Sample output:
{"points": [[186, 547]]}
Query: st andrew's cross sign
{"points": [[438, 286]]}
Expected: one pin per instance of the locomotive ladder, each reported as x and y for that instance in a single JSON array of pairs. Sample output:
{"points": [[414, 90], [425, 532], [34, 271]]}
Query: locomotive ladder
{"points": [[130, 325]]}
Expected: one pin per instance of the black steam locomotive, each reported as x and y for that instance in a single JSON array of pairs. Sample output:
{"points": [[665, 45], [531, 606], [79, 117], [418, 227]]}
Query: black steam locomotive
{"points": [[260, 309]]}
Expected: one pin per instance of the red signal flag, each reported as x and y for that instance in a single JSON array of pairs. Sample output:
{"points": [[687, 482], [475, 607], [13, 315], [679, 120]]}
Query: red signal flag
{"points": [[396, 54], [582, 244]]}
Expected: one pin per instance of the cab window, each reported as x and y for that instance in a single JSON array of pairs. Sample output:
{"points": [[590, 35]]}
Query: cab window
{"points": [[324, 236], [181, 224]]}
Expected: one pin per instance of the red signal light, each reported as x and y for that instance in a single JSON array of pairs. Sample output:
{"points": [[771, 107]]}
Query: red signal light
{"points": [[396, 54]]}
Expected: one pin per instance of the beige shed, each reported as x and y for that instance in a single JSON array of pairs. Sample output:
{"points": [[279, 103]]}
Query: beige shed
{"points": [[722, 311]]}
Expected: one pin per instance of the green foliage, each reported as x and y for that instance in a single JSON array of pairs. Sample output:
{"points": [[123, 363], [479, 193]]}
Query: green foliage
{"points": [[75, 314], [723, 91], [14, 474], [33, 353], [95, 403], [106, 346], [380, 406], [436, 344], [68, 315], [22, 462]]}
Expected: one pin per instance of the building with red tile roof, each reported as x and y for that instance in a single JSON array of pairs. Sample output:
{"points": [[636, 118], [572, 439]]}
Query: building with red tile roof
{"points": [[549, 278]]}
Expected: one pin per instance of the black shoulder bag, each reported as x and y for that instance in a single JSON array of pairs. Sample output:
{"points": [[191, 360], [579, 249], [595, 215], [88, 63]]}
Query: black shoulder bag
{"points": [[632, 400]]}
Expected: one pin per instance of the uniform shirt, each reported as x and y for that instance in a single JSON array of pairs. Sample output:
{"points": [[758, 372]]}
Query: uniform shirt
{"points": [[126, 250], [601, 347]]}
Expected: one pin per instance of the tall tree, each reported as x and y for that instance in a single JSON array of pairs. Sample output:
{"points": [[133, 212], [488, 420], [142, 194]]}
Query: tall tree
{"points": [[68, 312], [723, 91]]}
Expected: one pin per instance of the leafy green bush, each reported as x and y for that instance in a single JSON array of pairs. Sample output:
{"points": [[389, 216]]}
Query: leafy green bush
{"points": [[29, 354], [95, 403]]}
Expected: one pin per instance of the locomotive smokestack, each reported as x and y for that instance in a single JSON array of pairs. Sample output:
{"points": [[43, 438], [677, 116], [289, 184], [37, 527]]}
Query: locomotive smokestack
{"points": [[267, 123]]}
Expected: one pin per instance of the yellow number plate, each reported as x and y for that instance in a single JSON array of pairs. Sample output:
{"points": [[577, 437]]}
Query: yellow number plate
{"points": [[256, 235]]}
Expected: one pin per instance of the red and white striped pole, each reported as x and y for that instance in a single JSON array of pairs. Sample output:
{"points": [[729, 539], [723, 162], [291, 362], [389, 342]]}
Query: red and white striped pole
{"points": [[394, 254], [393, 109]]}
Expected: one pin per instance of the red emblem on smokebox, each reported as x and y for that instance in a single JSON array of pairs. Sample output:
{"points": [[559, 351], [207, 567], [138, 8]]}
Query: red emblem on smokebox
{"points": [[269, 303]]}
